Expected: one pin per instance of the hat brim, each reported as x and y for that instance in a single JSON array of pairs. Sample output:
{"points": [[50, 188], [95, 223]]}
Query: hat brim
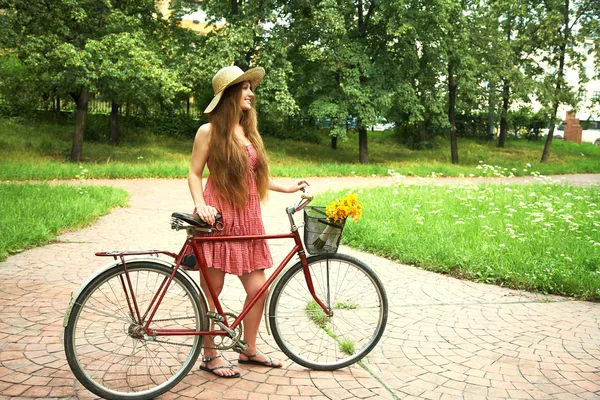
{"points": [[254, 75]]}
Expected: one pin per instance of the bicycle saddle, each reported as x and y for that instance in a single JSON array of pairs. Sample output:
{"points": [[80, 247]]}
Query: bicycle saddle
{"points": [[194, 219]]}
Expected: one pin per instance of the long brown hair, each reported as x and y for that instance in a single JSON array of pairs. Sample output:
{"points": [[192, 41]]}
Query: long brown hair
{"points": [[228, 156]]}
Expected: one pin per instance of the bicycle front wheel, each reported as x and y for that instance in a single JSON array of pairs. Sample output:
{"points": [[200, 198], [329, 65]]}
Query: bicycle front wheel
{"points": [[105, 345], [303, 331]]}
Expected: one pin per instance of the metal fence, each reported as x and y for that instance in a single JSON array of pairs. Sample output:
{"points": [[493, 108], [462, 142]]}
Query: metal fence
{"points": [[102, 107]]}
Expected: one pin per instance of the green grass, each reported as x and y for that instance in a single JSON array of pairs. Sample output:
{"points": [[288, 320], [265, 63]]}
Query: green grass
{"points": [[35, 214], [541, 237], [318, 316], [41, 151]]}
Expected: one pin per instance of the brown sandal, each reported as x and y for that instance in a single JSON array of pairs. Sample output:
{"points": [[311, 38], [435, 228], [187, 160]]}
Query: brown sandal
{"points": [[212, 370], [267, 363]]}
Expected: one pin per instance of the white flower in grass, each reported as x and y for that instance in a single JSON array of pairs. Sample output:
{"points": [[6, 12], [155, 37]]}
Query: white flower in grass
{"points": [[481, 216], [435, 211], [528, 165], [509, 215], [532, 194], [597, 244], [501, 245], [459, 222], [593, 205], [420, 222], [471, 175]]}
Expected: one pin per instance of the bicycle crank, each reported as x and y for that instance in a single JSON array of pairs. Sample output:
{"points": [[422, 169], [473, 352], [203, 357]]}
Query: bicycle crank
{"points": [[234, 336]]}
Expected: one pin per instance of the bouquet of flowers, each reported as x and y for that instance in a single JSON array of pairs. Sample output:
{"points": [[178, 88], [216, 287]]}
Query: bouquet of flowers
{"points": [[337, 211]]}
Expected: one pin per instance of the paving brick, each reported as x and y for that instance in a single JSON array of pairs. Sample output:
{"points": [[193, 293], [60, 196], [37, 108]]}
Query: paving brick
{"points": [[445, 339]]}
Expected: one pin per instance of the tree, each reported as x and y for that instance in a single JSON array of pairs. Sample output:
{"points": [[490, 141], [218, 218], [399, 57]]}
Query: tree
{"points": [[65, 44], [339, 49], [510, 27], [564, 23], [248, 33], [416, 63], [129, 69]]}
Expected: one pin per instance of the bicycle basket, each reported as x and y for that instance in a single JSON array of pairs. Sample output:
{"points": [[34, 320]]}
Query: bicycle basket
{"points": [[320, 235]]}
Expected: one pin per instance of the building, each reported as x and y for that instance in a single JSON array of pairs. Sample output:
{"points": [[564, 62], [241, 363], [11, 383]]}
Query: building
{"points": [[195, 21]]}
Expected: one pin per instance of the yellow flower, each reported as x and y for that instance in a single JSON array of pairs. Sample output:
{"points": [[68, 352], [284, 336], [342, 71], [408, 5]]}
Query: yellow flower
{"points": [[339, 210]]}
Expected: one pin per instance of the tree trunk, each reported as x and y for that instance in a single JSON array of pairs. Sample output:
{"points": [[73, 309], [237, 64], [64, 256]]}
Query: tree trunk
{"points": [[334, 142], [363, 150], [187, 106], [490, 119], [58, 104], [451, 112], [82, 99], [114, 123], [560, 76], [422, 131], [503, 119]]}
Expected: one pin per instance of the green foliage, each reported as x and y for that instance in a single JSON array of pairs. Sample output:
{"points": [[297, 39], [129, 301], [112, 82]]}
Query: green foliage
{"points": [[57, 208]]}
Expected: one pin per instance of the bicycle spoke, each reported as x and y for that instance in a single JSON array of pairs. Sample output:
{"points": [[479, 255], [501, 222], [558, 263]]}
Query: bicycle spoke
{"points": [[311, 337], [111, 350]]}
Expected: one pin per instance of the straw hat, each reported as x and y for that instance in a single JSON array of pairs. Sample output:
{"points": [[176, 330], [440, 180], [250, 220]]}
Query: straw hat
{"points": [[229, 76]]}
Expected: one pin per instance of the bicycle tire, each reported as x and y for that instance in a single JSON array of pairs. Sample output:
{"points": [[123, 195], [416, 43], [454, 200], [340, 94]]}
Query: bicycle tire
{"points": [[303, 331], [101, 349]]}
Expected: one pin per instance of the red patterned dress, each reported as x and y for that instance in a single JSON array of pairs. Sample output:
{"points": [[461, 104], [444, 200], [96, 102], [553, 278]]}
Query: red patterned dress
{"points": [[235, 257]]}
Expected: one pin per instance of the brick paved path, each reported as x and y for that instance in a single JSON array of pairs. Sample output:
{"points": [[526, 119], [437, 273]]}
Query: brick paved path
{"points": [[446, 338]]}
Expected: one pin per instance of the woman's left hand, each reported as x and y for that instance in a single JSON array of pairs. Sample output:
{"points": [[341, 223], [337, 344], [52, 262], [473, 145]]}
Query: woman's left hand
{"points": [[299, 185]]}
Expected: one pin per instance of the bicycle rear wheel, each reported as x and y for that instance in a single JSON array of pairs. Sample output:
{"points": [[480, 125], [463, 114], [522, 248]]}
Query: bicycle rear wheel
{"points": [[105, 347], [306, 334]]}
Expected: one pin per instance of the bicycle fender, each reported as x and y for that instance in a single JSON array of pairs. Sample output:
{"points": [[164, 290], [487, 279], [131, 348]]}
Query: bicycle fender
{"points": [[133, 260]]}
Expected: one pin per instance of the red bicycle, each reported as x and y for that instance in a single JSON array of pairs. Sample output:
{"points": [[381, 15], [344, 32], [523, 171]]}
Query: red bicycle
{"points": [[134, 328]]}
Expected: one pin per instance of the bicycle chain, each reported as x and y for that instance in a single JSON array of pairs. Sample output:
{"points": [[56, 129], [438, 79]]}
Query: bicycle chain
{"points": [[221, 346]]}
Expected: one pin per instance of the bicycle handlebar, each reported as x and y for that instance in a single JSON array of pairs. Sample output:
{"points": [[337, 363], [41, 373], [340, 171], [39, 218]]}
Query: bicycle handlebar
{"points": [[304, 200]]}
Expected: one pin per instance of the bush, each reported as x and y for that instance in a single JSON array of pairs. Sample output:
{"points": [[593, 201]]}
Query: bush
{"points": [[290, 129]]}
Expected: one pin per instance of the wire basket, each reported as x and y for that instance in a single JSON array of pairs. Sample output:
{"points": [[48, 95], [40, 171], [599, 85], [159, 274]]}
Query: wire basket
{"points": [[320, 235]]}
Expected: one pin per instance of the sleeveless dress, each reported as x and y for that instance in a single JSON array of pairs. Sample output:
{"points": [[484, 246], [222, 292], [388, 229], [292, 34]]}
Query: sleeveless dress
{"points": [[238, 257]]}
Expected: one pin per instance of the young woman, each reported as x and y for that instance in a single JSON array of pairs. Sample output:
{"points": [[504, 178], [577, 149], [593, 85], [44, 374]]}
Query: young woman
{"points": [[232, 149]]}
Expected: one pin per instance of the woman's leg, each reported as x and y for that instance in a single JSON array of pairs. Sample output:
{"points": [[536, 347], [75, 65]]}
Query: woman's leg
{"points": [[217, 278], [252, 282]]}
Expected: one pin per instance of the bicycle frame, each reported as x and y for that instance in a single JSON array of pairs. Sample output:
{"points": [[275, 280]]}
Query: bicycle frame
{"points": [[192, 245]]}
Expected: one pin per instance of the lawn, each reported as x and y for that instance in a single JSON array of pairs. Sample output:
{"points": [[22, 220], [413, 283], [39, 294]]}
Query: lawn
{"points": [[35, 214], [543, 237], [40, 151]]}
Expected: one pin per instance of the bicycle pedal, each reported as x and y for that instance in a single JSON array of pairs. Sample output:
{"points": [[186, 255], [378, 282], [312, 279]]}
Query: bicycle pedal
{"points": [[216, 317], [240, 346]]}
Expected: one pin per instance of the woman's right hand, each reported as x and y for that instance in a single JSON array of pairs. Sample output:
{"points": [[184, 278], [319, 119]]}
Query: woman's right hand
{"points": [[207, 213]]}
